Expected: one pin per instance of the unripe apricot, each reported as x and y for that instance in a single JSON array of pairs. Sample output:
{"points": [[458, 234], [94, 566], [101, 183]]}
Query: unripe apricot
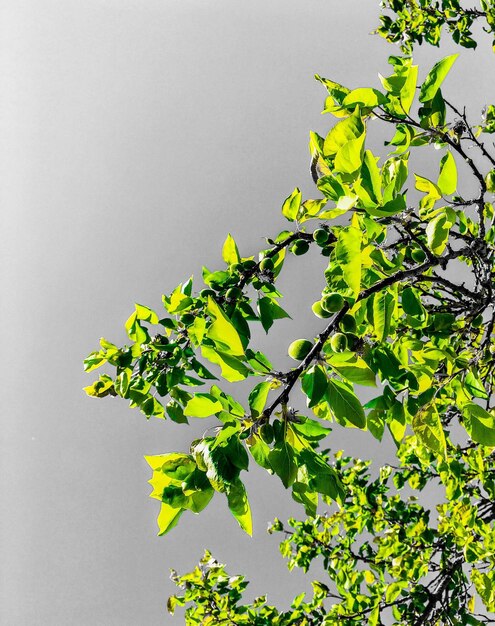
{"points": [[338, 342], [332, 302], [321, 236], [348, 324], [319, 311], [299, 247], [266, 264], [299, 349]]}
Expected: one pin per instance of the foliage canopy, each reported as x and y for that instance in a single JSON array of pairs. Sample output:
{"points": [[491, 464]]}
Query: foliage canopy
{"points": [[407, 296]]}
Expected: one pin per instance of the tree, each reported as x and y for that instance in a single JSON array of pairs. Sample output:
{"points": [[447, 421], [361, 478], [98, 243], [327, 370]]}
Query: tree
{"points": [[409, 308]]}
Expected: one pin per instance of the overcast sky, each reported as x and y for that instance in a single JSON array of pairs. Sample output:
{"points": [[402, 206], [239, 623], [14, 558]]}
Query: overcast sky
{"points": [[133, 136]]}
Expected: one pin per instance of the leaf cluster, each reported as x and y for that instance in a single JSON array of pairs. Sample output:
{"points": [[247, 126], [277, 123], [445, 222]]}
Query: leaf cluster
{"points": [[407, 275]]}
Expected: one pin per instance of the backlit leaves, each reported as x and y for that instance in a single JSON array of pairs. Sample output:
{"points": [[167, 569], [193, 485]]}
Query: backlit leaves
{"points": [[435, 78], [348, 256], [344, 404], [428, 429], [406, 308], [480, 424]]}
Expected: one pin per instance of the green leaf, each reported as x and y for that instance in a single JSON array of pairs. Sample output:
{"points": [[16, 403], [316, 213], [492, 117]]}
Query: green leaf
{"points": [[447, 180], [202, 405], [428, 429], [480, 424], [269, 311], [364, 96], [337, 93], [222, 331], [135, 331], [433, 113], [230, 253], [196, 330], [436, 77], [331, 188], [168, 518], [345, 405], [354, 370], [411, 303], [347, 130], [310, 429], [101, 388], [233, 369], [437, 233], [323, 478], [348, 256], [433, 193], [383, 309], [94, 360], [376, 423], [259, 362], [220, 469], [371, 180], [314, 384], [257, 398], [291, 205], [236, 452], [239, 506], [146, 314], [283, 463], [401, 86], [349, 158], [475, 386], [198, 500], [179, 299], [260, 451]]}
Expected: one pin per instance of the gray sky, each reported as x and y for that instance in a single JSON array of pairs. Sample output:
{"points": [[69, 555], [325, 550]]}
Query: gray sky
{"points": [[135, 135]]}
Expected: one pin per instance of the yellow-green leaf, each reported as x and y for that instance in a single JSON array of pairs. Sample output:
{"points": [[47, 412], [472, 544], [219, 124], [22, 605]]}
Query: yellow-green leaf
{"points": [[435, 78], [290, 207], [232, 368], [222, 331], [202, 405], [447, 180], [168, 518], [348, 256], [146, 314], [437, 233], [239, 506], [480, 424], [428, 429], [350, 128], [230, 253]]}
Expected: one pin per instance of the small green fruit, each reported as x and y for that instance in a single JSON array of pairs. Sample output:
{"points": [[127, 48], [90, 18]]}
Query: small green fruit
{"points": [[266, 264], [338, 342], [299, 247], [249, 264], [332, 302], [418, 255], [233, 293], [299, 349], [348, 324], [321, 236], [319, 311]]}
